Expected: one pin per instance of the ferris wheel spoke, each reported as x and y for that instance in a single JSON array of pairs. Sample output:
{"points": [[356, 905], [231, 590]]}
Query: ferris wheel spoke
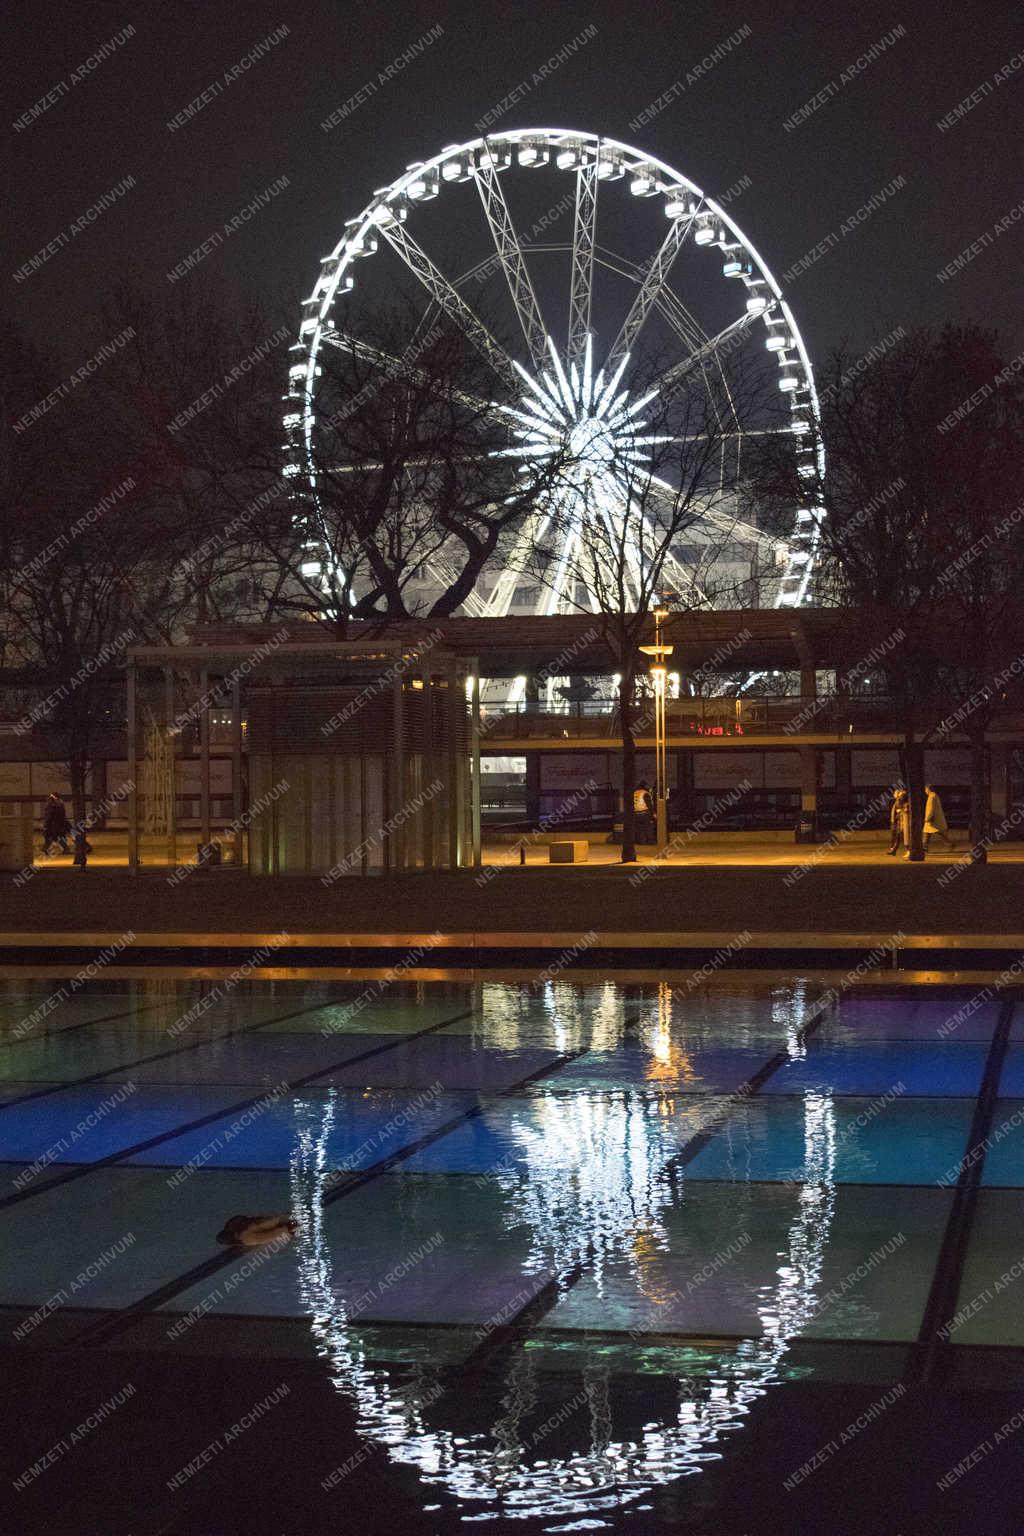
{"points": [[474, 605], [683, 578], [707, 349], [651, 288], [624, 560], [672, 309], [392, 367], [558, 591], [513, 263], [581, 284], [500, 600], [452, 302], [724, 522]]}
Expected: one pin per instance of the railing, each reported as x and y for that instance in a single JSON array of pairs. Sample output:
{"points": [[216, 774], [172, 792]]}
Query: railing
{"points": [[788, 715]]}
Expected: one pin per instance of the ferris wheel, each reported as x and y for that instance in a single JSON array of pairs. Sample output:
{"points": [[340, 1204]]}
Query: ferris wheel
{"points": [[564, 384]]}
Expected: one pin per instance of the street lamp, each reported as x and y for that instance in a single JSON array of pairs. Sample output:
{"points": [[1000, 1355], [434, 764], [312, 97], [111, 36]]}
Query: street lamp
{"points": [[659, 652]]}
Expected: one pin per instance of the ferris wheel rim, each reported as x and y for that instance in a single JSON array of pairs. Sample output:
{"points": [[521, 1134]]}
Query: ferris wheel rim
{"points": [[335, 267]]}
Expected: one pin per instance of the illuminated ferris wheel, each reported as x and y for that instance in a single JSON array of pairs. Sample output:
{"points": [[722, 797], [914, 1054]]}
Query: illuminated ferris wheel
{"points": [[564, 389]]}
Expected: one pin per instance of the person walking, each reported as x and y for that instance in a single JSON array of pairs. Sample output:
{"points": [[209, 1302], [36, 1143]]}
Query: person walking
{"points": [[935, 824], [55, 824], [643, 811], [897, 820]]}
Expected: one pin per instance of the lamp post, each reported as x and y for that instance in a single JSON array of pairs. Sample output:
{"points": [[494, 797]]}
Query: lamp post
{"points": [[659, 652]]}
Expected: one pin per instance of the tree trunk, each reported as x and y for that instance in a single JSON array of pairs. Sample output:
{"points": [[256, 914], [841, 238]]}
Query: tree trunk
{"points": [[913, 757], [979, 824], [78, 765], [628, 767]]}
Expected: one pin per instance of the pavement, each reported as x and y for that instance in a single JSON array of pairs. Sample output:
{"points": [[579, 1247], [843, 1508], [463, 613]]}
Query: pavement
{"points": [[110, 851]]}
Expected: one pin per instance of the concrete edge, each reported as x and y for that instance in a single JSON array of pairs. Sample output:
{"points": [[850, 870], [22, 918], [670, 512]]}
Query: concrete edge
{"points": [[506, 939]]}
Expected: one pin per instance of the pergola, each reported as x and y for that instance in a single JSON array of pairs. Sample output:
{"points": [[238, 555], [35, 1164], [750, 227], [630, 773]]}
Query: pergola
{"points": [[377, 742]]}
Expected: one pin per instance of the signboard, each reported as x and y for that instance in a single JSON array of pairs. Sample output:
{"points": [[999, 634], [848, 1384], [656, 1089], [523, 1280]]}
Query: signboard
{"points": [[566, 772], [782, 770], [645, 768], [188, 776], [727, 770], [947, 765], [873, 769]]}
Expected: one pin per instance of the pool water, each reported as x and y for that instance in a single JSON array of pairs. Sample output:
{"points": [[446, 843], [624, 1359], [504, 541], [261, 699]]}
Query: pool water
{"points": [[569, 1257]]}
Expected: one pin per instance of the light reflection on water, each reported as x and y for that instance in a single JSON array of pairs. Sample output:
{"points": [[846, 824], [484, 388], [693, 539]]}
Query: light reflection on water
{"points": [[595, 1193]]}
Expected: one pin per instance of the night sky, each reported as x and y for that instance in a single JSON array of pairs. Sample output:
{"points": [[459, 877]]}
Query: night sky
{"points": [[727, 124]]}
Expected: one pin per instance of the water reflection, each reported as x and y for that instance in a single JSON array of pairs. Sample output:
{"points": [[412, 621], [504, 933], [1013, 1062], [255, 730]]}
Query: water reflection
{"points": [[592, 1189]]}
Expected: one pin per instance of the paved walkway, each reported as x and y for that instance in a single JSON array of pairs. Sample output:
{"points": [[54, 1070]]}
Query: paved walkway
{"points": [[110, 851], [757, 855]]}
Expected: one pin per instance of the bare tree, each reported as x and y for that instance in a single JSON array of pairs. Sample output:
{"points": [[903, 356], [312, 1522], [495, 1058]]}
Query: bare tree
{"points": [[86, 574], [411, 495], [193, 403], [668, 465], [922, 455]]}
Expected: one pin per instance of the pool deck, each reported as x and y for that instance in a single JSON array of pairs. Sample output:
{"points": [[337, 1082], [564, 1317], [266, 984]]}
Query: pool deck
{"points": [[513, 914]]}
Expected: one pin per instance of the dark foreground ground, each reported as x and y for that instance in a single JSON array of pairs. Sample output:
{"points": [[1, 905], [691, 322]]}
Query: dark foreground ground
{"points": [[883, 1476]]}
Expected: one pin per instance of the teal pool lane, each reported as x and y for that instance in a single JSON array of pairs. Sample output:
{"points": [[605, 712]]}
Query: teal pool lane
{"points": [[990, 1306], [894, 1140], [1004, 1155], [771, 1261], [425, 1250]]}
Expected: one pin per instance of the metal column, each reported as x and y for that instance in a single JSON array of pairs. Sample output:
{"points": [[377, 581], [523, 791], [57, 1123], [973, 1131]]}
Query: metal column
{"points": [[172, 822], [236, 768], [429, 770], [204, 754], [456, 709], [474, 765], [394, 843], [132, 766]]}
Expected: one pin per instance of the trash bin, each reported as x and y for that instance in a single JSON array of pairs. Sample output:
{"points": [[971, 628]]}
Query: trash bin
{"points": [[569, 851], [806, 830]]}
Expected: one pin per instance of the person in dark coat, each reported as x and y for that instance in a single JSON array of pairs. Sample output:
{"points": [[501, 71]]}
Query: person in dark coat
{"points": [[897, 820], [55, 824]]}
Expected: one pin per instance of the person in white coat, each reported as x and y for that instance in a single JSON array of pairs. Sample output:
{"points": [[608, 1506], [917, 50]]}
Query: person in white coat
{"points": [[935, 824]]}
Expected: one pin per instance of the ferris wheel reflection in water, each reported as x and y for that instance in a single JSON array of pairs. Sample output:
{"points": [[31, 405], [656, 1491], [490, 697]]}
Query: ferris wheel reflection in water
{"points": [[595, 1194]]}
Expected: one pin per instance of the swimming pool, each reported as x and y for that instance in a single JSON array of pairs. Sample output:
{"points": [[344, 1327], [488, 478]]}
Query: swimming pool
{"points": [[569, 1257]]}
